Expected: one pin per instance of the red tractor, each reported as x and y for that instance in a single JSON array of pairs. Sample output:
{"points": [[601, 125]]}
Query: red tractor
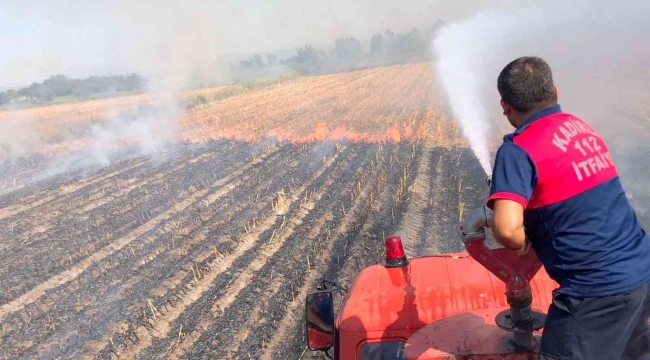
{"points": [[480, 304]]}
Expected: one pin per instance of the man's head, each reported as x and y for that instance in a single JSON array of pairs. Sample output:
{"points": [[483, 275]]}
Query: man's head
{"points": [[526, 85]]}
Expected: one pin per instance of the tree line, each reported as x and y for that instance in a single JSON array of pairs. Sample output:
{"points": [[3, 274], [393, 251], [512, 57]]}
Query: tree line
{"points": [[347, 54], [60, 86], [385, 48]]}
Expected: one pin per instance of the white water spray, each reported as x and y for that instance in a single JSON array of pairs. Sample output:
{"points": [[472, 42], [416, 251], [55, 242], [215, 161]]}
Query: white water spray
{"points": [[459, 77], [467, 52], [470, 54]]}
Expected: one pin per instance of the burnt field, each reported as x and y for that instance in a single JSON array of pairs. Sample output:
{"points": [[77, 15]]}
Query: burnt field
{"points": [[207, 248], [211, 253]]}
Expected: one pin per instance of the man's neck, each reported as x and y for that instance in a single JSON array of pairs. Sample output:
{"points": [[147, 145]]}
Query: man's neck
{"points": [[521, 117]]}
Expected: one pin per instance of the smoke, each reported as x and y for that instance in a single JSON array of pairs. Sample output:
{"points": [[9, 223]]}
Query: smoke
{"points": [[32, 150], [175, 45], [599, 55], [108, 37], [17, 137], [179, 54]]}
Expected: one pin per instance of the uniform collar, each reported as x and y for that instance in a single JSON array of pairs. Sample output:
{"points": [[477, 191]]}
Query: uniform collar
{"points": [[553, 109]]}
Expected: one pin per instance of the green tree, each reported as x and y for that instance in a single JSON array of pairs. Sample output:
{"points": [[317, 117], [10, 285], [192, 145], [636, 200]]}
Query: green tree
{"points": [[414, 42], [43, 93], [308, 60], [60, 85], [258, 61], [271, 59], [348, 48], [377, 44]]}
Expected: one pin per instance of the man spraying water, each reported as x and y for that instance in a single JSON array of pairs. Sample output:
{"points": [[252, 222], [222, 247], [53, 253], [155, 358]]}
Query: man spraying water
{"points": [[555, 186]]}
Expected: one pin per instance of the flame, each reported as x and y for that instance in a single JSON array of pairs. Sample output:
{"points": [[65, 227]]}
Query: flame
{"points": [[321, 131], [339, 133], [393, 134]]}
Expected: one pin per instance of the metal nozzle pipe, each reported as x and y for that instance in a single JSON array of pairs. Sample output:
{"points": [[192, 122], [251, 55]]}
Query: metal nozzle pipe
{"points": [[519, 319], [475, 223]]}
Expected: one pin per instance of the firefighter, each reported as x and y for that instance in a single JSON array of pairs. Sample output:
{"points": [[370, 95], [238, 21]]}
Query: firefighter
{"points": [[555, 188]]}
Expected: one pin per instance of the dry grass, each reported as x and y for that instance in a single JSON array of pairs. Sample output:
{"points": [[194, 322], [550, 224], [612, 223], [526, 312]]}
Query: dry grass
{"points": [[383, 104]]}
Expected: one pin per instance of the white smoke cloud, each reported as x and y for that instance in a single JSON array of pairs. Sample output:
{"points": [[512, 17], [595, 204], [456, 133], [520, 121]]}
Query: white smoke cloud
{"points": [[599, 55], [17, 137]]}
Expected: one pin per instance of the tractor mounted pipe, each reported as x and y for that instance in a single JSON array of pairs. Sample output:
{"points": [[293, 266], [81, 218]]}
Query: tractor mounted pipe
{"points": [[515, 271]]}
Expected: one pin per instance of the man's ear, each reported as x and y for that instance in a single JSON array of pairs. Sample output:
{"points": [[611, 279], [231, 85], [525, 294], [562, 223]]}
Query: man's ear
{"points": [[557, 92], [506, 107]]}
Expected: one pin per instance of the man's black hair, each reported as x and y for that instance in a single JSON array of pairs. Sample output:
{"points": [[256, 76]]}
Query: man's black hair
{"points": [[527, 84]]}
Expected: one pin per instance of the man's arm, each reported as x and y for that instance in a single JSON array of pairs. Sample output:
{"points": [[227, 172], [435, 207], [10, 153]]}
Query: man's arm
{"points": [[513, 180], [314, 317], [507, 225]]}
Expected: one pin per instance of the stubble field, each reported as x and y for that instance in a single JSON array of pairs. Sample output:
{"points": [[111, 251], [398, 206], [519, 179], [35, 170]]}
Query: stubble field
{"points": [[207, 248]]}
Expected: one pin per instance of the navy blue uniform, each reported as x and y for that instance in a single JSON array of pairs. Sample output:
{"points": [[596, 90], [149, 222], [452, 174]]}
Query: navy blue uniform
{"points": [[324, 304], [584, 231]]}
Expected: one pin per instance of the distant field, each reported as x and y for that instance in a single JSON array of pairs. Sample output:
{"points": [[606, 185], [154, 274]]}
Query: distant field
{"points": [[390, 103], [369, 106], [207, 248], [45, 121]]}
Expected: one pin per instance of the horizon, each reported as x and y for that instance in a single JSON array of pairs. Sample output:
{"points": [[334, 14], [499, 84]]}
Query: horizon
{"points": [[153, 37]]}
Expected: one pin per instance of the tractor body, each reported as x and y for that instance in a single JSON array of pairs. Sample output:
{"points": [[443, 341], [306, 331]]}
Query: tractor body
{"points": [[436, 307], [481, 304]]}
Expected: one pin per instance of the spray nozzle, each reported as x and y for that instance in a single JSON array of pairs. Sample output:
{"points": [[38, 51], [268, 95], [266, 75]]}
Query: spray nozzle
{"points": [[488, 180]]}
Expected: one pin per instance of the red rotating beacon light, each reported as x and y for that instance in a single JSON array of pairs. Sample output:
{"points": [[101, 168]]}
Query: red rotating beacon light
{"points": [[395, 256]]}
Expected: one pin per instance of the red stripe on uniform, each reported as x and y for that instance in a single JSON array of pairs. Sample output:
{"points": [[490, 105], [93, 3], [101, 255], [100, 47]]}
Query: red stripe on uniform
{"points": [[507, 196]]}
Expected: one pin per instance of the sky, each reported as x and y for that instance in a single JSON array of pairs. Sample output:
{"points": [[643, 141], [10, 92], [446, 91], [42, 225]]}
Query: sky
{"points": [[84, 38]]}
